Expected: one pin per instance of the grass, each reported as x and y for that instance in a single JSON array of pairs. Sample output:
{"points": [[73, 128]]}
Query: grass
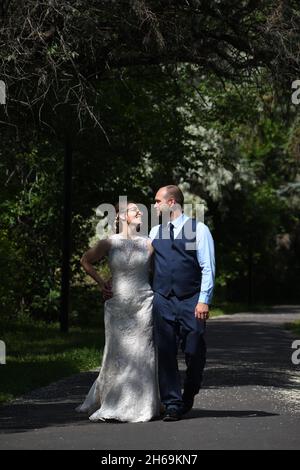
{"points": [[294, 327], [38, 354], [229, 308]]}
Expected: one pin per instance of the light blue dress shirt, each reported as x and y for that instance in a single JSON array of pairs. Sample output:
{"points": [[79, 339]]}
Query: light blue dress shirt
{"points": [[205, 254]]}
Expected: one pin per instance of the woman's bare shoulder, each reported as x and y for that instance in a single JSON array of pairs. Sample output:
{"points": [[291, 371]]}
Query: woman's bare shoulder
{"points": [[104, 244]]}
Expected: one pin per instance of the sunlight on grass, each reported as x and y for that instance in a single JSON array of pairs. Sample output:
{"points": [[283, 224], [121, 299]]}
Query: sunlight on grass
{"points": [[38, 354], [229, 308]]}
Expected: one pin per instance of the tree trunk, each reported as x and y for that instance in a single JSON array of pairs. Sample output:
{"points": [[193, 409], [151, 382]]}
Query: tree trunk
{"points": [[66, 241]]}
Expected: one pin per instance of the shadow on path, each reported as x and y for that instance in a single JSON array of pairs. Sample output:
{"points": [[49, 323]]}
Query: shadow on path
{"points": [[197, 413], [240, 352], [249, 353]]}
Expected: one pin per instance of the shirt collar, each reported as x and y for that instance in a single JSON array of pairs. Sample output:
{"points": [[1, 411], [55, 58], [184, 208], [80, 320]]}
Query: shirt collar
{"points": [[178, 221]]}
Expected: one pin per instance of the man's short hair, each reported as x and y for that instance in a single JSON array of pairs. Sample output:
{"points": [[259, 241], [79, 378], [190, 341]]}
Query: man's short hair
{"points": [[176, 193]]}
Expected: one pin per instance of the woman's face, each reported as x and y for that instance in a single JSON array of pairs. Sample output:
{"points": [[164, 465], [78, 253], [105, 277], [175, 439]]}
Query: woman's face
{"points": [[134, 215]]}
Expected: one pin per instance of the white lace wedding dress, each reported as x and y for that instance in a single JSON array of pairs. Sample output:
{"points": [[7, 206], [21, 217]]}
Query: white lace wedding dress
{"points": [[127, 386]]}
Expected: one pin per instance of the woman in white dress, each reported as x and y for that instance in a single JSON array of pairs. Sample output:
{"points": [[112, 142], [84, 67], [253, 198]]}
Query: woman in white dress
{"points": [[127, 386]]}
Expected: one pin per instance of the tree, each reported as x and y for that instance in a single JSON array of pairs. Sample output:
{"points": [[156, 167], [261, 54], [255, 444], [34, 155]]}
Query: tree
{"points": [[55, 51], [60, 58]]}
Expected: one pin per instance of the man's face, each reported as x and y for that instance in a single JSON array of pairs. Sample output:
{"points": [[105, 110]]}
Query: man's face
{"points": [[163, 203]]}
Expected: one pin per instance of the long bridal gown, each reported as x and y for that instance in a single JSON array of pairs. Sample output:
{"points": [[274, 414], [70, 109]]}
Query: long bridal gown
{"points": [[127, 386]]}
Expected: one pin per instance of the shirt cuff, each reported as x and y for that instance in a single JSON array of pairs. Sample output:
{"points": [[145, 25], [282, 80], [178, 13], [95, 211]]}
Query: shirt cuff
{"points": [[204, 298]]}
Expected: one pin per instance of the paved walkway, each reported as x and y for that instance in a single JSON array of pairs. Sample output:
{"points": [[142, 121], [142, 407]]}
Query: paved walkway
{"points": [[250, 399]]}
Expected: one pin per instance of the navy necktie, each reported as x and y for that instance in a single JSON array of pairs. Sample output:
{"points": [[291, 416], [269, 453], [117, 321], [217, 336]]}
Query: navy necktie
{"points": [[172, 232]]}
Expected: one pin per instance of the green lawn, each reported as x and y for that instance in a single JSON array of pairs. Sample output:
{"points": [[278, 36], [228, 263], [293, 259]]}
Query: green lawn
{"points": [[38, 354], [294, 327], [228, 308]]}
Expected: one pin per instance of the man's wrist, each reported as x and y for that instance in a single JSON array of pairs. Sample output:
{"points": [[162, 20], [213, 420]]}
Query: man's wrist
{"points": [[203, 299]]}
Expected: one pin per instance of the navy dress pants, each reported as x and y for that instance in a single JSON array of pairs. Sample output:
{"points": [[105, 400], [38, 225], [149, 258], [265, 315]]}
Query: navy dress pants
{"points": [[175, 326]]}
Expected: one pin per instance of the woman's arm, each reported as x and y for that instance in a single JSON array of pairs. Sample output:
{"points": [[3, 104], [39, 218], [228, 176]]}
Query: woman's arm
{"points": [[149, 246], [96, 253], [151, 265]]}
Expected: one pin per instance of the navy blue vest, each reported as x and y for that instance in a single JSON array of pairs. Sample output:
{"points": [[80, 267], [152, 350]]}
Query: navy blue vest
{"points": [[176, 268]]}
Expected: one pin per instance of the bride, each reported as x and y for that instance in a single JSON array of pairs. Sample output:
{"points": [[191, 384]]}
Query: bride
{"points": [[127, 386]]}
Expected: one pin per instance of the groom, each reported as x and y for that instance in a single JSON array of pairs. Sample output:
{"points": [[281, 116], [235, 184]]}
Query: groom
{"points": [[183, 280]]}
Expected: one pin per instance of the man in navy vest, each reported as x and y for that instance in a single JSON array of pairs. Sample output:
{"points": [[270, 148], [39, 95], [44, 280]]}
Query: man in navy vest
{"points": [[183, 281]]}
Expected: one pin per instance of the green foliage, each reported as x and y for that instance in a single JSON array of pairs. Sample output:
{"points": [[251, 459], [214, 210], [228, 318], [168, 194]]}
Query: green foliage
{"points": [[228, 141], [31, 221], [248, 208]]}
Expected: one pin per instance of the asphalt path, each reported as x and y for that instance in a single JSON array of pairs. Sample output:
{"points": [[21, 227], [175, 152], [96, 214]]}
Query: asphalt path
{"points": [[250, 399]]}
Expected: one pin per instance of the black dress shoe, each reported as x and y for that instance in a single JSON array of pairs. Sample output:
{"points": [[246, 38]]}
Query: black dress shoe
{"points": [[172, 414], [188, 404]]}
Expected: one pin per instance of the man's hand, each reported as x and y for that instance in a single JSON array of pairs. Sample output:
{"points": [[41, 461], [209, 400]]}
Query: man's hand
{"points": [[202, 311], [106, 290]]}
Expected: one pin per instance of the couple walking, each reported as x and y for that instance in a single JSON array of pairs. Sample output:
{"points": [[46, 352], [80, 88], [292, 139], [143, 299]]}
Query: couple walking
{"points": [[146, 322]]}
